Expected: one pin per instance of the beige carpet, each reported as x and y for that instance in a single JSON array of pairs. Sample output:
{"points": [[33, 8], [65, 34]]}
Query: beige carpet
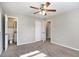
{"points": [[39, 49]]}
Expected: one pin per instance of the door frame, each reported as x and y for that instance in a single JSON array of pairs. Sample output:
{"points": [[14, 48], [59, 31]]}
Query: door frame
{"points": [[5, 33]]}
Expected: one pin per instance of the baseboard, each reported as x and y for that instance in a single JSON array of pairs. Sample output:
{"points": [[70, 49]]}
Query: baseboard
{"points": [[66, 46], [29, 43]]}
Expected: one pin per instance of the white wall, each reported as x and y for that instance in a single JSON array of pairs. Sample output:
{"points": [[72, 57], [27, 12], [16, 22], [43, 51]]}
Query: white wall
{"points": [[1, 46], [66, 29], [26, 30], [0, 35]]}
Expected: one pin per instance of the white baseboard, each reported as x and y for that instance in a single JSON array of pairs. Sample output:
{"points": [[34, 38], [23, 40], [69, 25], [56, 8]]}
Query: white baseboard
{"points": [[66, 46], [28, 43]]}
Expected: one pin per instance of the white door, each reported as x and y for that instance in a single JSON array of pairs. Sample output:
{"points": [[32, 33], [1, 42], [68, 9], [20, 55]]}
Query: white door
{"points": [[1, 45], [38, 29], [6, 32], [43, 30]]}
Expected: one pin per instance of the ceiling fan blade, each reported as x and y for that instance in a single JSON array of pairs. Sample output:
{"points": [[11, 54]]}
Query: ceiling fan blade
{"points": [[47, 4], [51, 10], [34, 7], [36, 12]]}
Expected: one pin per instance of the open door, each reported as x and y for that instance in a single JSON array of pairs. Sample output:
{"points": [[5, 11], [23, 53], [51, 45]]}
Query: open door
{"points": [[6, 32], [38, 29], [43, 30]]}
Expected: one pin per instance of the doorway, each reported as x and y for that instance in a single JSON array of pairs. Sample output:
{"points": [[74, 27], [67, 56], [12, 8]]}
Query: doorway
{"points": [[9, 32], [48, 31], [12, 31]]}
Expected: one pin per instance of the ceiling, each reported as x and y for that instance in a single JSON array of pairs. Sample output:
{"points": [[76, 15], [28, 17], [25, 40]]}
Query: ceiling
{"points": [[22, 8]]}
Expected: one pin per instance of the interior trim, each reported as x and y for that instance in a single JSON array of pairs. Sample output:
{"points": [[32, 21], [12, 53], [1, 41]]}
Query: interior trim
{"points": [[66, 46]]}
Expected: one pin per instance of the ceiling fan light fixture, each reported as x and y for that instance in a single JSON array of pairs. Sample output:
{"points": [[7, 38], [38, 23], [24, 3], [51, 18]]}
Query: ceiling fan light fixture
{"points": [[43, 9], [42, 12]]}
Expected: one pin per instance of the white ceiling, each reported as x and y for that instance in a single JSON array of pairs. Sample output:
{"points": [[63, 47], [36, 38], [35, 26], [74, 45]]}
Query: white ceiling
{"points": [[22, 8]]}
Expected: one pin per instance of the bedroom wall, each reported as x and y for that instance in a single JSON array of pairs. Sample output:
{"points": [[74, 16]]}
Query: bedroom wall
{"points": [[1, 18], [66, 29], [26, 30], [0, 33]]}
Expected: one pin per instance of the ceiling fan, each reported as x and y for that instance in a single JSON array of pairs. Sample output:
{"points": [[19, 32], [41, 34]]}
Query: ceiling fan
{"points": [[43, 9]]}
